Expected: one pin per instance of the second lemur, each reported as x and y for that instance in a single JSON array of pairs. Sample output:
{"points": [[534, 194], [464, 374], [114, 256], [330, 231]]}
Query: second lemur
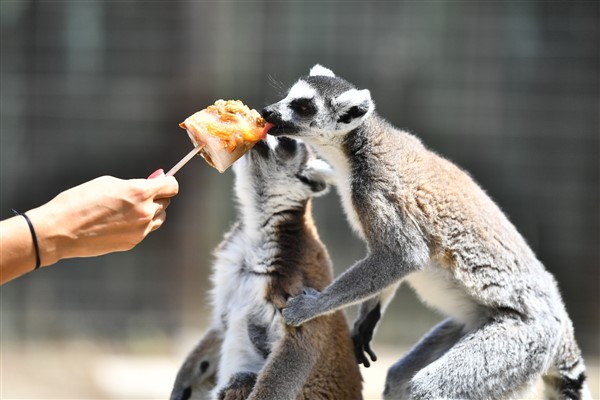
{"points": [[426, 222], [271, 253]]}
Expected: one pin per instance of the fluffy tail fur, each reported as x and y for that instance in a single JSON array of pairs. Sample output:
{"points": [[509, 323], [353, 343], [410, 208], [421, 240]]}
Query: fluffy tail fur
{"points": [[566, 379]]}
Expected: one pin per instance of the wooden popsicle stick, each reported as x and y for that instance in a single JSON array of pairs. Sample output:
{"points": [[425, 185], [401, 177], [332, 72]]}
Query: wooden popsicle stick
{"points": [[184, 160]]}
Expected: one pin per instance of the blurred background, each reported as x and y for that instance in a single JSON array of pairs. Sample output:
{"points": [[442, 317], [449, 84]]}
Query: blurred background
{"points": [[507, 90]]}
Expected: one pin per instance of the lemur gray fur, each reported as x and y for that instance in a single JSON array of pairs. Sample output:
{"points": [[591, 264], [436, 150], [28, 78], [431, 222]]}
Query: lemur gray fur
{"points": [[272, 253], [426, 222]]}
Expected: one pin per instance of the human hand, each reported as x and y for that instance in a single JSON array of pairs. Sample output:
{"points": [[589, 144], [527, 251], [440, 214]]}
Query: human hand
{"points": [[103, 215]]}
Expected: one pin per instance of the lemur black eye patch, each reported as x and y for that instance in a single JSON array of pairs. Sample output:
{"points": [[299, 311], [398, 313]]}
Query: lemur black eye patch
{"points": [[304, 106]]}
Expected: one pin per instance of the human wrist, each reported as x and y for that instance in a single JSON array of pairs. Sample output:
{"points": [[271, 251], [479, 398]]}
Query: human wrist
{"points": [[48, 228], [34, 239]]}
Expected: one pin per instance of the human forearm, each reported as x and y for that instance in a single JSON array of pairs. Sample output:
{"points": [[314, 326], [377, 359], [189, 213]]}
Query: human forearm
{"points": [[53, 233], [100, 216]]}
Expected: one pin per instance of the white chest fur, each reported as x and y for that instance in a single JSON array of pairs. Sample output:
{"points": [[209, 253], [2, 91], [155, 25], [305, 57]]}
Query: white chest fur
{"points": [[439, 290], [334, 155], [239, 301]]}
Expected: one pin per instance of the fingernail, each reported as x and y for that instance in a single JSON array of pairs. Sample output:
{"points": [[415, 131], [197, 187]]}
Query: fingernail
{"points": [[156, 173]]}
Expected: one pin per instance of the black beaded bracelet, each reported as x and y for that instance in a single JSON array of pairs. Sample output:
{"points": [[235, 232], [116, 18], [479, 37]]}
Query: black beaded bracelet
{"points": [[38, 262]]}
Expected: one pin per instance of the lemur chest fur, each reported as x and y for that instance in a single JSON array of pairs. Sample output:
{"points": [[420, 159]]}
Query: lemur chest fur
{"points": [[251, 323], [436, 287], [243, 278], [343, 183]]}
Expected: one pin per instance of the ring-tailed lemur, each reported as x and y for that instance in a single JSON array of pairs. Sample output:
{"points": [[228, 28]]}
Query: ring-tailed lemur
{"points": [[427, 222], [269, 255]]}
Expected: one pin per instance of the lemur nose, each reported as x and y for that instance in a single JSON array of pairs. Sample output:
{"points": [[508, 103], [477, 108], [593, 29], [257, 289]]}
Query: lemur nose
{"points": [[267, 112]]}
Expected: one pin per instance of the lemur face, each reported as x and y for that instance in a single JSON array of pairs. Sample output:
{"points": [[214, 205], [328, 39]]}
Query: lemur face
{"points": [[320, 105], [282, 171]]}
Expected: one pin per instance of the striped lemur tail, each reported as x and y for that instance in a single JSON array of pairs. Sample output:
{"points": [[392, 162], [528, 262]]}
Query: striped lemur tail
{"points": [[566, 378]]}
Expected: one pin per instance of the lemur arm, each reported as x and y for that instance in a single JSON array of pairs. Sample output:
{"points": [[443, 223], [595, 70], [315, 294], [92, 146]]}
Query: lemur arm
{"points": [[290, 363], [369, 314], [198, 372], [364, 279]]}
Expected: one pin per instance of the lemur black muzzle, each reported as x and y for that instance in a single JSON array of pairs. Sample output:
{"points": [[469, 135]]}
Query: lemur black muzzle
{"points": [[279, 127]]}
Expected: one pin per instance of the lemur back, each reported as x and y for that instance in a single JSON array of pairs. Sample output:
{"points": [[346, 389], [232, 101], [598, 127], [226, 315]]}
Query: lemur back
{"points": [[272, 252], [426, 222]]}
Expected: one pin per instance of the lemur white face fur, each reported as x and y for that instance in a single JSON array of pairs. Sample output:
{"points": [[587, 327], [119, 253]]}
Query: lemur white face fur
{"points": [[279, 160], [319, 106]]}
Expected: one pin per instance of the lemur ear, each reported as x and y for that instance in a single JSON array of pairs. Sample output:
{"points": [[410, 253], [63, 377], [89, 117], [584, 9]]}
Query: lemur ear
{"points": [[317, 174], [353, 104], [319, 70]]}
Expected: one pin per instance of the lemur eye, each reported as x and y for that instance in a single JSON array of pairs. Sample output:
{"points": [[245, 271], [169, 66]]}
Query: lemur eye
{"points": [[304, 107]]}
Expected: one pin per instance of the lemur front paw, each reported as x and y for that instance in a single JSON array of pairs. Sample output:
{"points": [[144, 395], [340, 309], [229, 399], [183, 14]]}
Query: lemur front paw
{"points": [[301, 308], [362, 334], [361, 346]]}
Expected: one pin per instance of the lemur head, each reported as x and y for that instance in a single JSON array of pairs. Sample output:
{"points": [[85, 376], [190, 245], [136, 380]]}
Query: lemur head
{"points": [[280, 174], [319, 105]]}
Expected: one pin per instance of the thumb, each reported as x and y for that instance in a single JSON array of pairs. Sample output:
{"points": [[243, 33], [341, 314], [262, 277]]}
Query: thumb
{"points": [[162, 186]]}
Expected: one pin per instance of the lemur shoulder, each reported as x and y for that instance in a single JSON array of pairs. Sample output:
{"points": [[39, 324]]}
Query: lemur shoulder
{"points": [[425, 221], [272, 253]]}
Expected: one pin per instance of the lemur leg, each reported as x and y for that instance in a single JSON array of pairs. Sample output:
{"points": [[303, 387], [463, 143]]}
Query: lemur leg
{"points": [[290, 363], [198, 373], [363, 280], [498, 360], [431, 347], [365, 324]]}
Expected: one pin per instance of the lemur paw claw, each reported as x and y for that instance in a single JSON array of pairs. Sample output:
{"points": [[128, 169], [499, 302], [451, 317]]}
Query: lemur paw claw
{"points": [[300, 308]]}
